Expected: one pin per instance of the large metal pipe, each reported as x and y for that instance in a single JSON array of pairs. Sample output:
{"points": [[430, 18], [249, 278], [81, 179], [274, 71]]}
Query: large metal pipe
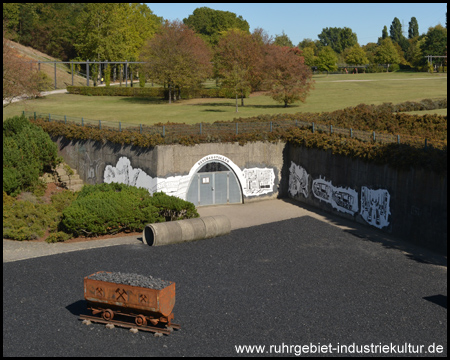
{"points": [[186, 230]]}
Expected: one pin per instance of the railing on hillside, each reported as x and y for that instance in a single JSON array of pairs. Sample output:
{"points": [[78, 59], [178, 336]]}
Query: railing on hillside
{"points": [[228, 128]]}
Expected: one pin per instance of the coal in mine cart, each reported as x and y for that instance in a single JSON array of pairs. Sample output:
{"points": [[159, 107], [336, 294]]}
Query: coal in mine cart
{"points": [[148, 300]]}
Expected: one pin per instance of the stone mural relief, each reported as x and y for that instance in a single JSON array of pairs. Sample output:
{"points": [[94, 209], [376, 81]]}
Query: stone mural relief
{"points": [[298, 180], [375, 206], [258, 181], [342, 199], [124, 173], [374, 203], [254, 181]]}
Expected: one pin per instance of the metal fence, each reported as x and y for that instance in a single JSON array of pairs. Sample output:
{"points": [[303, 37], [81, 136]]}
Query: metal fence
{"points": [[171, 131]]}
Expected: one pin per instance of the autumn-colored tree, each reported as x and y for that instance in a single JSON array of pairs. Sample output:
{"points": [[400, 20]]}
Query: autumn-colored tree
{"points": [[19, 78], [288, 77], [176, 56], [238, 58]]}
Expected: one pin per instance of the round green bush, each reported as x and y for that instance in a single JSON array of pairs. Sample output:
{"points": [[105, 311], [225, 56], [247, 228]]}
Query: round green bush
{"points": [[108, 209]]}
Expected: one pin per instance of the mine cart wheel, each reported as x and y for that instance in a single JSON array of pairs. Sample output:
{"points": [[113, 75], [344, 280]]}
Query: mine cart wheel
{"points": [[141, 320], [108, 314]]}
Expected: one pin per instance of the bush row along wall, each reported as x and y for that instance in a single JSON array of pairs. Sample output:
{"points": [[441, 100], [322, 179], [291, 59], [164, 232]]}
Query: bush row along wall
{"points": [[410, 204]]}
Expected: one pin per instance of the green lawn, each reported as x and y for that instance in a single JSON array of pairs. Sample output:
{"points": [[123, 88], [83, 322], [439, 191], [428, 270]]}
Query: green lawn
{"points": [[330, 93]]}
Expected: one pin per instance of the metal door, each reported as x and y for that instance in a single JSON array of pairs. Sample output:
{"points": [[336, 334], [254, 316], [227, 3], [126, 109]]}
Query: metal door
{"points": [[214, 188], [206, 189]]}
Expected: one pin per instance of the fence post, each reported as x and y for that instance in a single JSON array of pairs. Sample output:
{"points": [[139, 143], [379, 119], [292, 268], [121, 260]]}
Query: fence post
{"points": [[49, 118], [65, 119], [351, 132], [140, 128], [164, 131], [200, 128], [331, 129], [374, 136], [120, 126], [35, 115], [313, 128], [87, 72], [296, 123], [82, 122], [99, 124], [55, 75], [271, 126], [237, 128], [398, 139]]}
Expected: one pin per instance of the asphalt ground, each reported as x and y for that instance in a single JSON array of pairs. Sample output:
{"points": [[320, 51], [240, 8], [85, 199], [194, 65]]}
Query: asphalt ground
{"points": [[285, 284]]}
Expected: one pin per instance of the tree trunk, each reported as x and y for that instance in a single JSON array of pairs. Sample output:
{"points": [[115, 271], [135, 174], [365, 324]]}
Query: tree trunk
{"points": [[242, 97], [170, 94], [236, 102]]}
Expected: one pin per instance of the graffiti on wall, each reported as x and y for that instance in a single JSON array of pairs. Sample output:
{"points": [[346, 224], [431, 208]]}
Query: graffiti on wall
{"points": [[342, 199], [254, 181], [298, 180], [375, 206], [258, 181]]}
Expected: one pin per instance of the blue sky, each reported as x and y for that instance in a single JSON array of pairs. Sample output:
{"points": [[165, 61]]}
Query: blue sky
{"points": [[301, 21]]}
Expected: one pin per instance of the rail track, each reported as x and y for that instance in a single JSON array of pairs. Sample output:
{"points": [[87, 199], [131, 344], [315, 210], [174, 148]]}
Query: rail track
{"points": [[128, 325]]}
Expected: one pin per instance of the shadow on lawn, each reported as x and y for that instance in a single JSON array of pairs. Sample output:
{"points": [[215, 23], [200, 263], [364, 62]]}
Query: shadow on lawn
{"points": [[144, 100], [245, 106]]}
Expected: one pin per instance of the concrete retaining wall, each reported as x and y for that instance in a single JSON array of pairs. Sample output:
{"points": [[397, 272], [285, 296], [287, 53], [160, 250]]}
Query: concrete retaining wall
{"points": [[169, 168], [409, 204]]}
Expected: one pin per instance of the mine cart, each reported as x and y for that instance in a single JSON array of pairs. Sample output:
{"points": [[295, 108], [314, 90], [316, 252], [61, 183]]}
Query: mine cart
{"points": [[145, 298]]}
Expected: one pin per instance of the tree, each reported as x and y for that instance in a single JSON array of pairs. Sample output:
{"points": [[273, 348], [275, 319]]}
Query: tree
{"points": [[338, 38], [395, 30], [238, 54], [19, 79], [386, 53], [289, 79], [210, 23], [283, 40], [176, 56], [115, 31], [384, 33], [327, 59], [413, 29], [356, 56], [308, 55], [436, 41]]}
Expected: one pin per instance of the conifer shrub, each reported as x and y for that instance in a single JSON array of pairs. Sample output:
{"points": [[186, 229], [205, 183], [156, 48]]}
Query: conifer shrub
{"points": [[28, 151], [26, 220], [172, 208], [104, 209]]}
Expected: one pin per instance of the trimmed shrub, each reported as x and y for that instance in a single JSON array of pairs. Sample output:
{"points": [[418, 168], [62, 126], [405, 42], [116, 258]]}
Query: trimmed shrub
{"points": [[108, 209], [172, 208]]}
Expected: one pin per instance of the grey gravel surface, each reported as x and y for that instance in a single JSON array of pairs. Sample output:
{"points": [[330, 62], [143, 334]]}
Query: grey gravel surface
{"points": [[149, 281], [295, 282]]}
